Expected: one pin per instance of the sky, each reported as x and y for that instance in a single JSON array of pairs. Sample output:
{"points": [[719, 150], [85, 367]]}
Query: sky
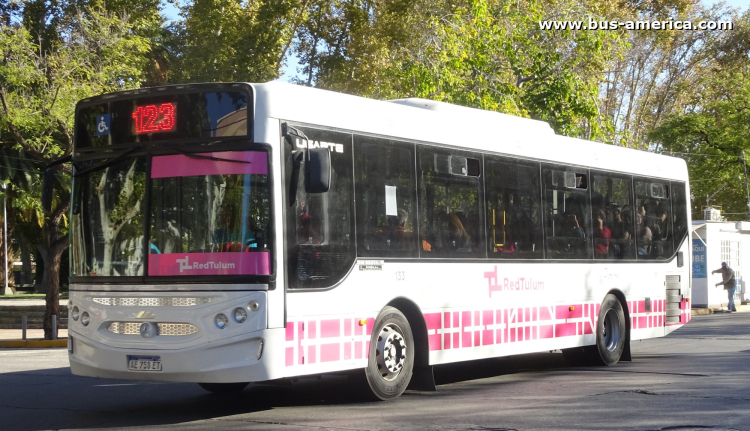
{"points": [[290, 70]]}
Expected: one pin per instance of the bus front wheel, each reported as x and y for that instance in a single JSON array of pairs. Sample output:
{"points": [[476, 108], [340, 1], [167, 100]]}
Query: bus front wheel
{"points": [[223, 388], [391, 358]]}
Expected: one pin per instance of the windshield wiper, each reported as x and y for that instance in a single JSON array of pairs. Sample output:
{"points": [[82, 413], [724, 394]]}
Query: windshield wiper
{"points": [[108, 163], [203, 157]]}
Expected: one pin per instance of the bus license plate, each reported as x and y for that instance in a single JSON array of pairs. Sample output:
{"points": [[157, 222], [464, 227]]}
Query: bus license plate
{"points": [[144, 363]]}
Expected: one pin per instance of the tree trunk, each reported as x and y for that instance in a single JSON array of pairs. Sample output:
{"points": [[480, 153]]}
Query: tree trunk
{"points": [[51, 280], [52, 250], [26, 256]]}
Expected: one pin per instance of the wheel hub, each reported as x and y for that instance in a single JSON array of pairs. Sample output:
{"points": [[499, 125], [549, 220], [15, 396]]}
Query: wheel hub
{"points": [[611, 330], [390, 351]]}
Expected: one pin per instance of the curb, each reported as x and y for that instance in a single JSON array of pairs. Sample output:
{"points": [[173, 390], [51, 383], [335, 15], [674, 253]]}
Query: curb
{"points": [[699, 311], [29, 344]]}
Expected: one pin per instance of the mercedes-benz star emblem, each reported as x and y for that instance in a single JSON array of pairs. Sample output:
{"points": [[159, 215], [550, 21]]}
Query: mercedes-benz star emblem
{"points": [[146, 330]]}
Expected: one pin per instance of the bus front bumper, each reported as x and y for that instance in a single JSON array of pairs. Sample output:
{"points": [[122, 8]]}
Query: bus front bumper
{"points": [[236, 359]]}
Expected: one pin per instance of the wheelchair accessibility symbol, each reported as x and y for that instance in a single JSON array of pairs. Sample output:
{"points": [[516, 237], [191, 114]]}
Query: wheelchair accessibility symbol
{"points": [[102, 125]]}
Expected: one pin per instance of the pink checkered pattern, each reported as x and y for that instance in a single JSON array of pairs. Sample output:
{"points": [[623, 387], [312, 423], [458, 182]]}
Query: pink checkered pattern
{"points": [[642, 319], [460, 329], [318, 340]]}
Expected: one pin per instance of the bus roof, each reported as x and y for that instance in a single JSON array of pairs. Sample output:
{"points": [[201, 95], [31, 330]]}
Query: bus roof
{"points": [[446, 124]]}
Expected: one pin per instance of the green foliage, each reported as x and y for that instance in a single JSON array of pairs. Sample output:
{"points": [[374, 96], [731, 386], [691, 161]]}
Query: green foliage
{"points": [[489, 54], [234, 40], [711, 138]]}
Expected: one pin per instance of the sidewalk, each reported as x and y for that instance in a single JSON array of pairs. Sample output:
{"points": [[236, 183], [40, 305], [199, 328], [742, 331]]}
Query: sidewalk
{"points": [[11, 338], [27, 302], [715, 310]]}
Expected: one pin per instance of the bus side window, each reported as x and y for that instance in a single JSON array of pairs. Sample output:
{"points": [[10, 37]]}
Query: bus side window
{"points": [[320, 226], [612, 216], [653, 219], [513, 213], [386, 198], [450, 204], [567, 212], [679, 213]]}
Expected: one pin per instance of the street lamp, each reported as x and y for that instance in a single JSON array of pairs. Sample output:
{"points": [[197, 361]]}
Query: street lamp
{"points": [[5, 237], [747, 188]]}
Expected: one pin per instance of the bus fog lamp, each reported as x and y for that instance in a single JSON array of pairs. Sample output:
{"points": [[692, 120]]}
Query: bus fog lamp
{"points": [[253, 306], [75, 313], [240, 315], [221, 321], [85, 319]]}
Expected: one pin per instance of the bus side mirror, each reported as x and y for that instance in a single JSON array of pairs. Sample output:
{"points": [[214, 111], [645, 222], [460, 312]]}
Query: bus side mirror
{"points": [[318, 170]]}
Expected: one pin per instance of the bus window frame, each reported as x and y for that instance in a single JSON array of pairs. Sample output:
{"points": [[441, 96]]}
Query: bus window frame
{"points": [[288, 233], [630, 179], [481, 246], [587, 226]]}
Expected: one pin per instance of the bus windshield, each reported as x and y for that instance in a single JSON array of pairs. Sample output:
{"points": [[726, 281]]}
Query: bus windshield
{"points": [[207, 214]]}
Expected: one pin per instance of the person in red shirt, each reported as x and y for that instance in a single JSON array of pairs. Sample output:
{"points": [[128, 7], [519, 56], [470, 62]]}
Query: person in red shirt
{"points": [[602, 234]]}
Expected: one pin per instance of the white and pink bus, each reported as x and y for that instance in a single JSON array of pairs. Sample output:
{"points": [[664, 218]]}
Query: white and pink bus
{"points": [[231, 233]]}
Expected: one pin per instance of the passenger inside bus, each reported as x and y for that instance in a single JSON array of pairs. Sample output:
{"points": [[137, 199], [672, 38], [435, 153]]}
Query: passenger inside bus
{"points": [[602, 234], [573, 227], [398, 236], [520, 228], [456, 238], [308, 228], [644, 234]]}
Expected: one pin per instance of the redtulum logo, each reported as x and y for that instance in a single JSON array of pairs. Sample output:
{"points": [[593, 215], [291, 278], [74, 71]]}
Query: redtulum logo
{"points": [[509, 285], [185, 265]]}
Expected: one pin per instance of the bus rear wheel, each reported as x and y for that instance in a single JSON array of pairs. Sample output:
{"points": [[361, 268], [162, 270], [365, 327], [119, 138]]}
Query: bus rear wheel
{"points": [[611, 336], [611, 332], [391, 360], [223, 388]]}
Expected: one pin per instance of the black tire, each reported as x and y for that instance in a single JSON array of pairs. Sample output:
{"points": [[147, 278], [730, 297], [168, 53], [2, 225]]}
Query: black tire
{"points": [[611, 331], [389, 371], [611, 335], [223, 388]]}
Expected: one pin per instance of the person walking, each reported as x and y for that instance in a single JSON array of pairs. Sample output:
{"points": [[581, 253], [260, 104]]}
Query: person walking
{"points": [[727, 279]]}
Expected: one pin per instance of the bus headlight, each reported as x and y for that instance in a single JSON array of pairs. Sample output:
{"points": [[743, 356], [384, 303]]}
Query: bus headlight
{"points": [[85, 319], [75, 313], [240, 315], [221, 321]]}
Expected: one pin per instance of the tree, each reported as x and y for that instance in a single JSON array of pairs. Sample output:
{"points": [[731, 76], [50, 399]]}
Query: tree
{"points": [[489, 54], [711, 138], [19, 175], [657, 74], [233, 40], [92, 52]]}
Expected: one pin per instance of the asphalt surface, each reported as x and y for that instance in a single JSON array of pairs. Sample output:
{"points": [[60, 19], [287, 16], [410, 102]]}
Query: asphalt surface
{"points": [[695, 379]]}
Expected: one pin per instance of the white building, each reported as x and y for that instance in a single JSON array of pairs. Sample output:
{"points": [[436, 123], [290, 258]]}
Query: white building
{"points": [[715, 242]]}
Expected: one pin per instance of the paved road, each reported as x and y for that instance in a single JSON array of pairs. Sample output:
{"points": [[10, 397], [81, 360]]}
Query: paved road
{"points": [[697, 378]]}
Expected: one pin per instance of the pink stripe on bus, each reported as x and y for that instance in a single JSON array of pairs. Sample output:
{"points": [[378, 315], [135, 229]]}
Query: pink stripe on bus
{"points": [[179, 165], [329, 352], [330, 328], [231, 263]]}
